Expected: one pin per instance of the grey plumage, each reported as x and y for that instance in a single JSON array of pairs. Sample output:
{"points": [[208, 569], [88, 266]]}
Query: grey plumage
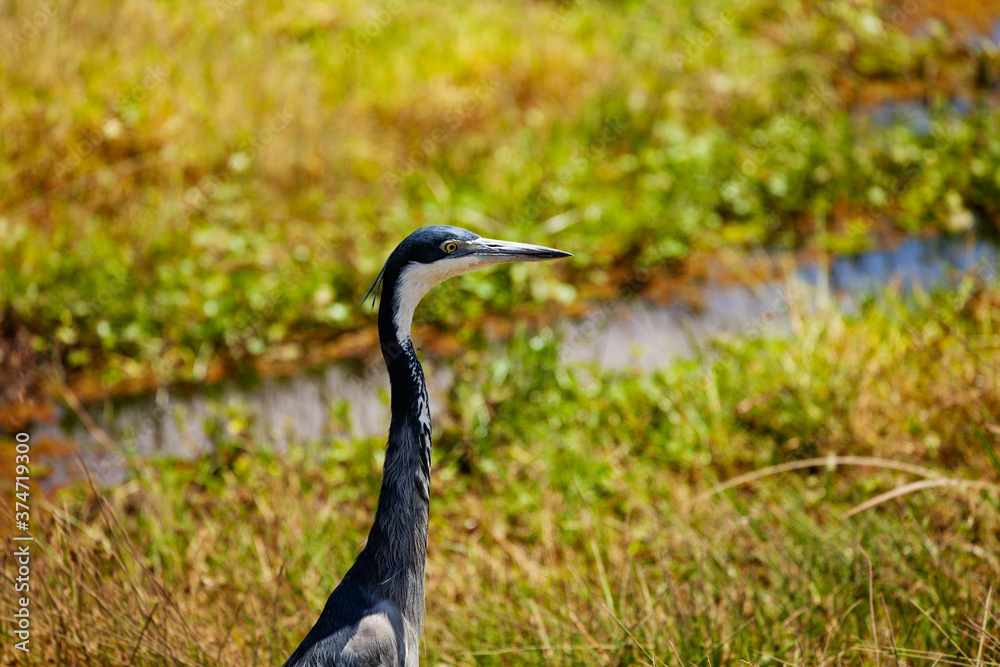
{"points": [[375, 615]]}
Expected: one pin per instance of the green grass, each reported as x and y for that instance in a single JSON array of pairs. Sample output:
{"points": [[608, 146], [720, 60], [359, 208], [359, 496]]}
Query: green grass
{"points": [[187, 190], [579, 515], [219, 183]]}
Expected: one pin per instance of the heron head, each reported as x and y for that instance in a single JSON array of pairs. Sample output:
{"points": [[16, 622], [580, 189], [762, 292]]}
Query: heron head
{"points": [[433, 254]]}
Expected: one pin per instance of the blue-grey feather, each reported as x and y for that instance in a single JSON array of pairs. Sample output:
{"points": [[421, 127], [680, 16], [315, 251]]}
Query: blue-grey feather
{"points": [[374, 617]]}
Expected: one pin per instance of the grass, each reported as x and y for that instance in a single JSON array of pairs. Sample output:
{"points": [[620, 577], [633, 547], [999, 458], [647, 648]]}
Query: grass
{"points": [[190, 191], [583, 516], [187, 190]]}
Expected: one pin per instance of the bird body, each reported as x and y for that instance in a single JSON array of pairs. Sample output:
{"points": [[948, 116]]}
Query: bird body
{"points": [[375, 615]]}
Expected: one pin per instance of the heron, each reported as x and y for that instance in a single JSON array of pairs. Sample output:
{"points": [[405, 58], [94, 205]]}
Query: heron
{"points": [[375, 615]]}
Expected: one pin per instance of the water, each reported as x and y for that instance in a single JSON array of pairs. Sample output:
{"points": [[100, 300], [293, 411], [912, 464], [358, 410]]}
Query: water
{"points": [[637, 334], [333, 401]]}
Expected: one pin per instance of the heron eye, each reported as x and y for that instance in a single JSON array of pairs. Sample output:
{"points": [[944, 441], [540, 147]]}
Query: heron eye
{"points": [[450, 246]]}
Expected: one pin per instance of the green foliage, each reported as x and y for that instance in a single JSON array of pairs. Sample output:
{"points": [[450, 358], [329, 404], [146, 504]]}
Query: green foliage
{"points": [[219, 181], [182, 184], [577, 514]]}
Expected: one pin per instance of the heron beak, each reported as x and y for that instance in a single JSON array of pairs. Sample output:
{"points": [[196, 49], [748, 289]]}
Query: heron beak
{"points": [[491, 251]]}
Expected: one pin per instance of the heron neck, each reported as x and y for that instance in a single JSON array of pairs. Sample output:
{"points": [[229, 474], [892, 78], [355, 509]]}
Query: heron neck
{"points": [[398, 539]]}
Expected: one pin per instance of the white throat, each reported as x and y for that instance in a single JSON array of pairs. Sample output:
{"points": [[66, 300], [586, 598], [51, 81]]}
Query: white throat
{"points": [[416, 279]]}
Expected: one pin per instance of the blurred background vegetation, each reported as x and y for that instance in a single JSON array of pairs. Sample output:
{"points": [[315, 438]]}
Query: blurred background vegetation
{"points": [[195, 192], [224, 179]]}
